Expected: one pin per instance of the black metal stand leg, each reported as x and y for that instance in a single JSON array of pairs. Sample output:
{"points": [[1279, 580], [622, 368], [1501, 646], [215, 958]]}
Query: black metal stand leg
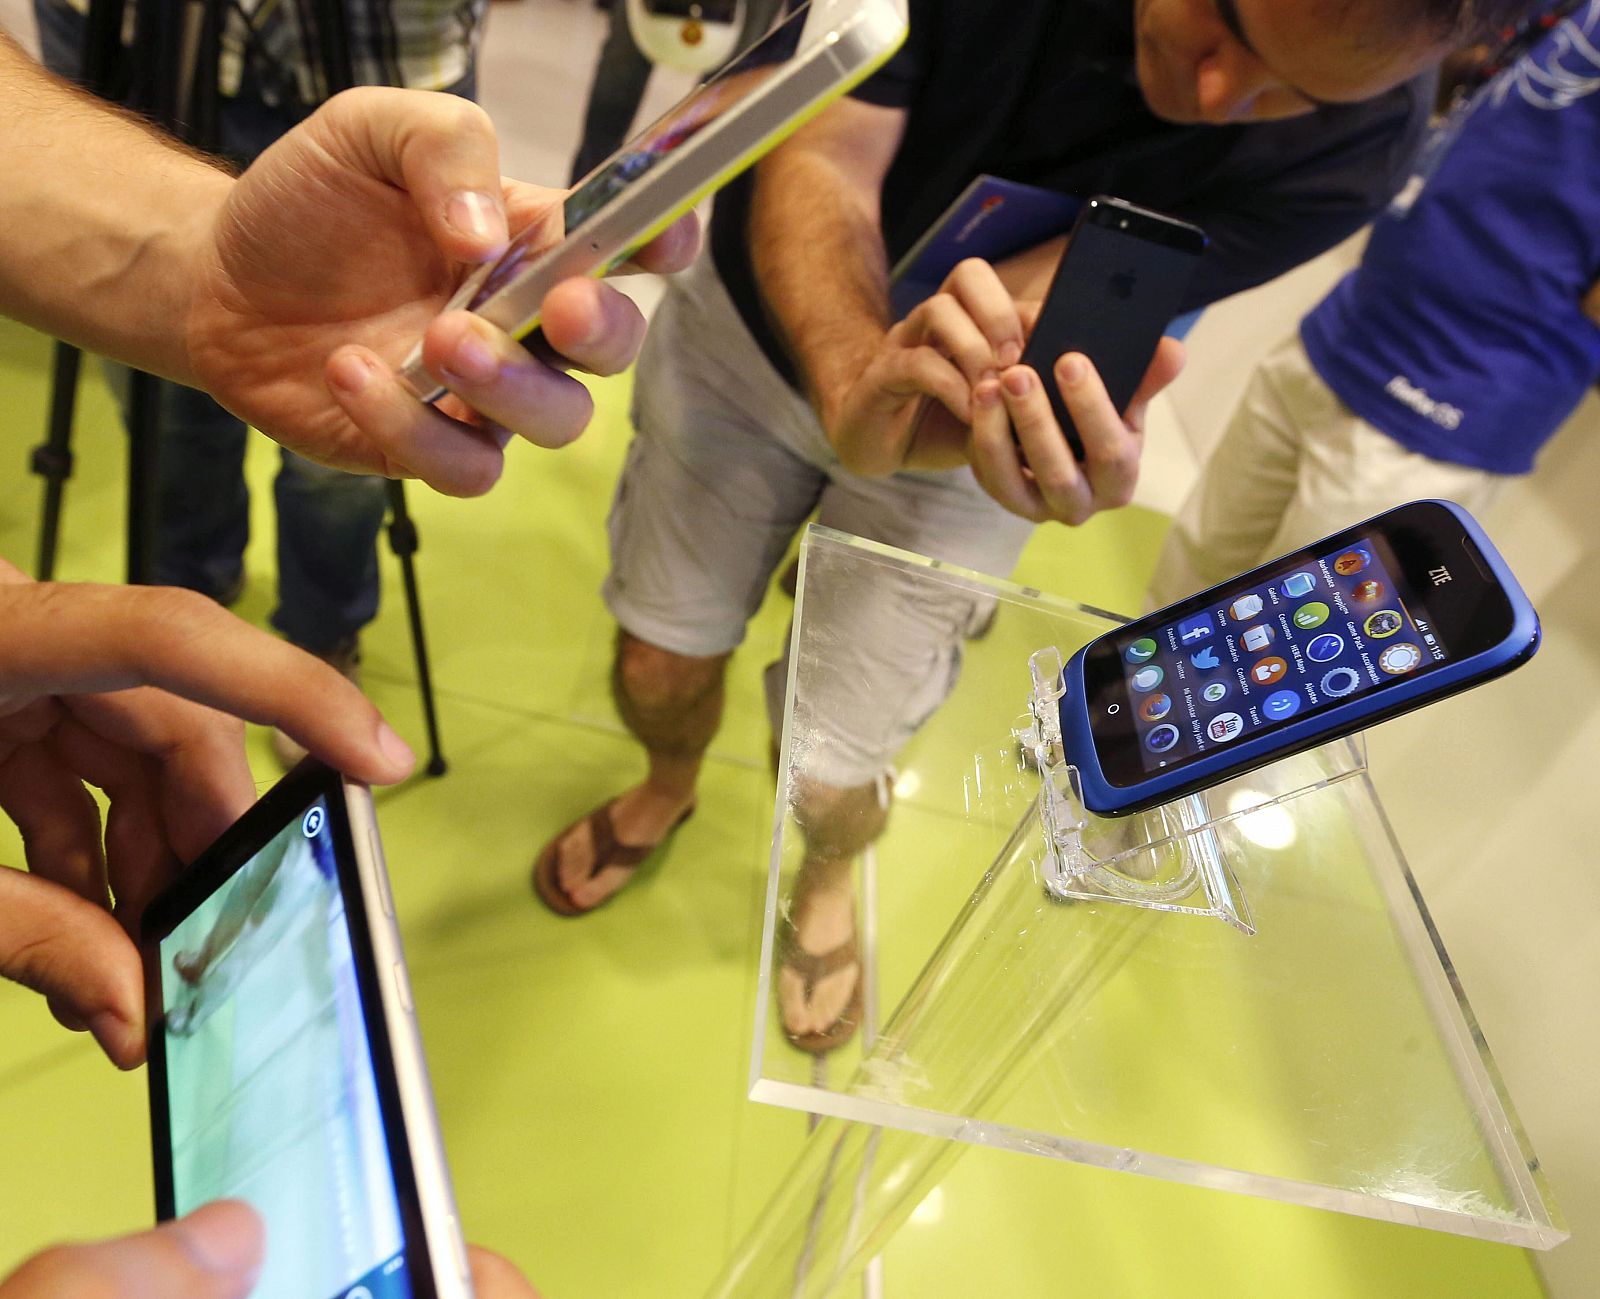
{"points": [[403, 541], [144, 424], [52, 458]]}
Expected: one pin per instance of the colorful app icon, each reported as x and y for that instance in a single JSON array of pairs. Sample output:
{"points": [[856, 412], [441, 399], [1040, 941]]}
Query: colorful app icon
{"points": [[1264, 672], [1148, 678], [1384, 623], [1299, 584], [1351, 562], [1400, 658], [1368, 592], [1205, 658], [1280, 704], [1155, 707], [1162, 738], [1141, 651], [1311, 615], [1223, 727], [1341, 681], [1215, 692], [1325, 647], [1257, 638], [1195, 629], [1246, 606]]}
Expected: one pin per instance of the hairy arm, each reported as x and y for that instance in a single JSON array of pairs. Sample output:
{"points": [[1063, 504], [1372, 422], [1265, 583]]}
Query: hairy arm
{"points": [[817, 245], [103, 219]]}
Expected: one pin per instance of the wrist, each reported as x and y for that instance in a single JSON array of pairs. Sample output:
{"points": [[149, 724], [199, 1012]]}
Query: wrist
{"points": [[188, 248], [832, 375]]}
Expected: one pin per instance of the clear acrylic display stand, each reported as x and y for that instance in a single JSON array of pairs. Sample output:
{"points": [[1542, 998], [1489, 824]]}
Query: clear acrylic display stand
{"points": [[1241, 990]]}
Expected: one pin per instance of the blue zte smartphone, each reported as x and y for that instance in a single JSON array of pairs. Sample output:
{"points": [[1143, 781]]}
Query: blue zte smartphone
{"points": [[285, 1065], [1386, 616]]}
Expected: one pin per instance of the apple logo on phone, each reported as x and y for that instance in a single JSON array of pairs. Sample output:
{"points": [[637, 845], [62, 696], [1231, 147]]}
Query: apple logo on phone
{"points": [[1123, 284]]}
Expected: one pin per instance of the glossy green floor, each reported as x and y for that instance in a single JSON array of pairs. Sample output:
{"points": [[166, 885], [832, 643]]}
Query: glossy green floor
{"points": [[590, 1074]]}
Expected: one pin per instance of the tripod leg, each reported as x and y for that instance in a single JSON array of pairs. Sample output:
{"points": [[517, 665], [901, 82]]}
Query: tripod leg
{"points": [[144, 427], [52, 458], [403, 541]]}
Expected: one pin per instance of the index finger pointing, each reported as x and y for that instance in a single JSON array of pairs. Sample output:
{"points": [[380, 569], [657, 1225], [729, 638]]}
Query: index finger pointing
{"points": [[82, 639]]}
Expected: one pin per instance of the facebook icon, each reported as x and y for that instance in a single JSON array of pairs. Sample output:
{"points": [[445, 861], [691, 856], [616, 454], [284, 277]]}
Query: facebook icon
{"points": [[1196, 628]]}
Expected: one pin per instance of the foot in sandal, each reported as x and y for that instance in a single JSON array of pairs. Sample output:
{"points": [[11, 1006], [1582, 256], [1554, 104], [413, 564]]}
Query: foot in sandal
{"points": [[595, 857], [819, 972]]}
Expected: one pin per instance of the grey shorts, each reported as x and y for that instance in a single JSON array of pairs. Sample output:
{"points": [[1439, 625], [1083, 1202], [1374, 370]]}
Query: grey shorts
{"points": [[727, 463]]}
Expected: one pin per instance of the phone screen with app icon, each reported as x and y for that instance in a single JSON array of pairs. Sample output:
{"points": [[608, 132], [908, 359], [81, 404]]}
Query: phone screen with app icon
{"points": [[1371, 622], [1286, 647]]}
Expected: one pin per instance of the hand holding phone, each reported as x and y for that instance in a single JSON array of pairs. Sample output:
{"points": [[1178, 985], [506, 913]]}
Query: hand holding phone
{"points": [[810, 59], [1372, 622], [946, 389], [1120, 282]]}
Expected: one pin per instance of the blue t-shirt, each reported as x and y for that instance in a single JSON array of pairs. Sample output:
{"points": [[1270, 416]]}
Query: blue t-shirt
{"points": [[1462, 334]]}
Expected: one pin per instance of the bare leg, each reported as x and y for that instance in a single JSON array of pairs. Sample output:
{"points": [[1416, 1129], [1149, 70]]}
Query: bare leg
{"points": [[838, 825], [673, 705]]}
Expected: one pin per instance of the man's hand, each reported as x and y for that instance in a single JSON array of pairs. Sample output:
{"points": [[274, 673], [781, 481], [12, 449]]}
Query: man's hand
{"points": [[911, 404], [1591, 303], [213, 1253], [333, 255], [137, 691], [1035, 474], [945, 389]]}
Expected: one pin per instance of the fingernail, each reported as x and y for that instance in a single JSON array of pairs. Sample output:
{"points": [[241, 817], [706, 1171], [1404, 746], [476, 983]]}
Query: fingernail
{"points": [[478, 216], [1073, 371], [986, 394], [1017, 381], [472, 359], [350, 373], [1009, 354], [396, 750], [222, 1241]]}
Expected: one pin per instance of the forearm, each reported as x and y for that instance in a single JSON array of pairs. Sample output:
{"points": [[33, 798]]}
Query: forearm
{"points": [[818, 255], [103, 219]]}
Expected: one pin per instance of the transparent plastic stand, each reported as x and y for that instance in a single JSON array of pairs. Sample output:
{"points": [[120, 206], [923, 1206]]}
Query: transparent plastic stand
{"points": [[1240, 990]]}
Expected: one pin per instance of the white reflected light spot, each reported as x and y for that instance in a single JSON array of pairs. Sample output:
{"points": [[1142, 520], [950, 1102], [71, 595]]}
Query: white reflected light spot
{"points": [[1268, 827], [931, 1210], [908, 785]]}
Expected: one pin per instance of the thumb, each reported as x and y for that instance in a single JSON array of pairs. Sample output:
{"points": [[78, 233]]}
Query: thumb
{"points": [[214, 1253], [440, 149], [1165, 366]]}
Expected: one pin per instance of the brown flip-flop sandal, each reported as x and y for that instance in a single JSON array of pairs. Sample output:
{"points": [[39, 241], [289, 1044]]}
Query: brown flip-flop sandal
{"points": [[813, 968], [608, 851]]}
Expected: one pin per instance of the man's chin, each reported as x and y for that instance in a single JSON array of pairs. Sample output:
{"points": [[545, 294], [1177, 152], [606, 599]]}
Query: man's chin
{"points": [[1168, 107], [1175, 113]]}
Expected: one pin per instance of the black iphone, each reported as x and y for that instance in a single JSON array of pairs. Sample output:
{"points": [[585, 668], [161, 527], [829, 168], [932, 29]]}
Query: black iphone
{"points": [[1120, 283]]}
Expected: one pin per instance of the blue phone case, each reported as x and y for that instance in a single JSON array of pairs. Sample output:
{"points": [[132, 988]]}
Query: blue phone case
{"points": [[1106, 799]]}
